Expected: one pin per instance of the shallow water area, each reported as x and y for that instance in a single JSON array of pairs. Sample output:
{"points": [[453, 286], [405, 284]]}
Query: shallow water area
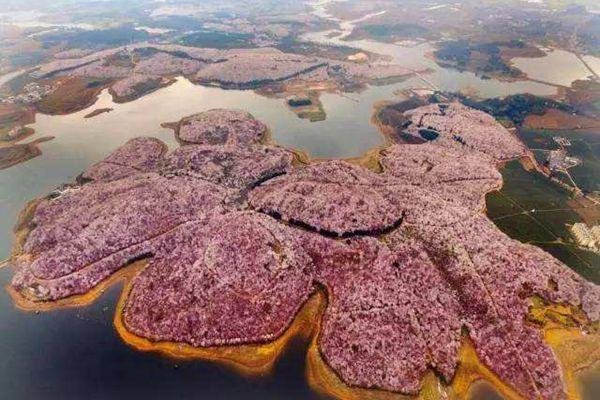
{"points": [[76, 353], [559, 67], [590, 383], [79, 142], [4, 79], [418, 57], [484, 391]]}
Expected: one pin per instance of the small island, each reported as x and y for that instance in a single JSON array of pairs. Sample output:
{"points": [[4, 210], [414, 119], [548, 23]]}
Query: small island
{"points": [[98, 111]]}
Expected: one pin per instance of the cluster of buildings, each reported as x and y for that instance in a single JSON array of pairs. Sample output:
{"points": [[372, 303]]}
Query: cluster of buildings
{"points": [[586, 236], [562, 141], [31, 93], [558, 160]]}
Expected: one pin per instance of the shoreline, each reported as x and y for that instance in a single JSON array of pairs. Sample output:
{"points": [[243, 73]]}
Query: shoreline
{"points": [[574, 350]]}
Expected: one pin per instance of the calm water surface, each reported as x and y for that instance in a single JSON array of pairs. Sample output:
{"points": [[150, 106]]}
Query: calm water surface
{"points": [[484, 391], [557, 66], [76, 353]]}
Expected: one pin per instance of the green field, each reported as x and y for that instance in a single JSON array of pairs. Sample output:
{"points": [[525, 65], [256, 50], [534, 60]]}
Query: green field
{"points": [[391, 32], [217, 40], [532, 209], [584, 145]]}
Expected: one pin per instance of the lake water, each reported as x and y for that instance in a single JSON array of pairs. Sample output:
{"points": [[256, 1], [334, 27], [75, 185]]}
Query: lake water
{"points": [[559, 67], [74, 354]]}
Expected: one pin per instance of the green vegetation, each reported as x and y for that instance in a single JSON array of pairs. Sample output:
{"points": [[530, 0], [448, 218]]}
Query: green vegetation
{"points": [[391, 32], [584, 262], [94, 38], [515, 107], [290, 44], [299, 102], [182, 23], [27, 58], [314, 115], [457, 51], [530, 208], [584, 145], [309, 108], [483, 58], [218, 40]]}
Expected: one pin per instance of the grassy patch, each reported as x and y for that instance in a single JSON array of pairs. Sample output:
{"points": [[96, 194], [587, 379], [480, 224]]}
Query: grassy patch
{"points": [[290, 44], [585, 263], [515, 107], [482, 58], [390, 32], [584, 145], [512, 207], [94, 38], [524, 228], [218, 40]]}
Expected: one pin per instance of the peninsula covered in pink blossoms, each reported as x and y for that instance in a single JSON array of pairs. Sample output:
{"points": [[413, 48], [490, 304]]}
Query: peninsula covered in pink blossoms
{"points": [[238, 234]]}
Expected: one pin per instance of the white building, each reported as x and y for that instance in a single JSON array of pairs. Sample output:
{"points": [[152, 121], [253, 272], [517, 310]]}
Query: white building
{"points": [[584, 236], [596, 234]]}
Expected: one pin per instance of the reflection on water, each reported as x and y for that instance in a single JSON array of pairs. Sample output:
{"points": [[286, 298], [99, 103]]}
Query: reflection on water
{"points": [[79, 142], [559, 67], [590, 383], [10, 76], [74, 354], [144, 116], [484, 391], [418, 57]]}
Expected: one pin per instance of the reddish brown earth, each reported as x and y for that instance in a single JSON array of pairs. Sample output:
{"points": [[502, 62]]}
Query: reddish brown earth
{"points": [[17, 153], [13, 114], [13, 118], [584, 94], [556, 120], [587, 209], [98, 111], [71, 94], [237, 239], [508, 53]]}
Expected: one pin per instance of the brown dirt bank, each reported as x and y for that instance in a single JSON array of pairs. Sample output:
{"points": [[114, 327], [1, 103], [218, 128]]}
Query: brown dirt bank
{"points": [[248, 360], [142, 89], [559, 120], [508, 53], [18, 153], [71, 95], [98, 111], [13, 114], [576, 351]]}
